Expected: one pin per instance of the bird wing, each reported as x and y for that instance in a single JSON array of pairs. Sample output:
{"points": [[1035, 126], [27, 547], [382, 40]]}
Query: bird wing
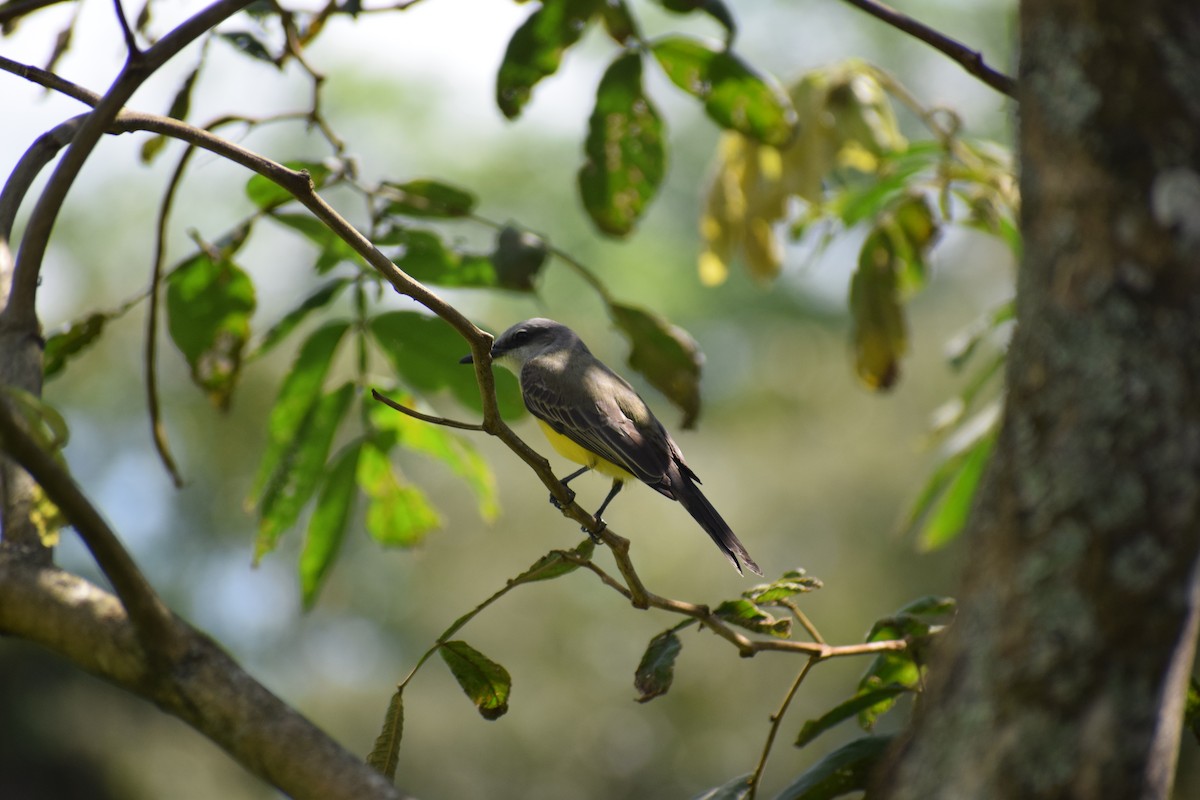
{"points": [[606, 425]]}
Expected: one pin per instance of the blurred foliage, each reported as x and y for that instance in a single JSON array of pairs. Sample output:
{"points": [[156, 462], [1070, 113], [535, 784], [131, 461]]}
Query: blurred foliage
{"points": [[814, 163]]}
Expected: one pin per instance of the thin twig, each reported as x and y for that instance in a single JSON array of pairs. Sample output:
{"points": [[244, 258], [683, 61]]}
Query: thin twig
{"points": [[135, 52], [22, 306], [449, 423], [776, 719], [804, 621], [970, 60]]}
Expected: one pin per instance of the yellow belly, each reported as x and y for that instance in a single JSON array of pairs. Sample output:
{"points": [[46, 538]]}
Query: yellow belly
{"points": [[581, 455]]}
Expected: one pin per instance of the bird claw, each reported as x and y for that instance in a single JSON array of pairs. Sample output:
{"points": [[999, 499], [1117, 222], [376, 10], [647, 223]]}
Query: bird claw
{"points": [[594, 535], [570, 499]]}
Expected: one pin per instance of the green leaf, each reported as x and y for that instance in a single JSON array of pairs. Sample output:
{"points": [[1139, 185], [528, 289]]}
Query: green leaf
{"points": [[487, 683], [518, 258], [78, 336], [537, 47], [385, 755], [398, 515], [452, 450], [266, 194], [963, 344], [291, 486], [333, 249], [900, 668], [426, 258], [665, 354], [844, 711], [1191, 713], [249, 45], [298, 394], [554, 564], [327, 525], [880, 329], [429, 198], [714, 8], [736, 789], [656, 670], [625, 151], [619, 23], [845, 770], [746, 614], [322, 297], [425, 352], [735, 96], [209, 305], [947, 517], [179, 110], [792, 583]]}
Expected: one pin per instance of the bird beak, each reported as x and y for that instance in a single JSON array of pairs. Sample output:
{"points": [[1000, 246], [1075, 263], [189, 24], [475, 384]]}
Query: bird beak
{"points": [[467, 359]]}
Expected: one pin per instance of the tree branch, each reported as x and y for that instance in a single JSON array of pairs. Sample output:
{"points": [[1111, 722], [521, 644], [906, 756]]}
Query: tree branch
{"points": [[205, 687], [151, 618], [970, 60], [21, 309]]}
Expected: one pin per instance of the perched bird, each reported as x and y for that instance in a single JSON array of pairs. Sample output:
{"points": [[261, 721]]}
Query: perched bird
{"points": [[593, 417]]}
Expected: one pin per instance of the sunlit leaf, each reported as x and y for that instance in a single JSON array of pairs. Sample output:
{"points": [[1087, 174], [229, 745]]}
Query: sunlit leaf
{"points": [[518, 258], [914, 623], [665, 354], [845, 770], [746, 614], [293, 483], [322, 297], [880, 330], [960, 347], [484, 681], [300, 391], [735, 95], [453, 450], [385, 754], [209, 305], [736, 789], [792, 583], [78, 336], [266, 194], [844, 711], [536, 49], [625, 150], [947, 517], [656, 670], [429, 198], [425, 352], [327, 525], [555, 564], [398, 515]]}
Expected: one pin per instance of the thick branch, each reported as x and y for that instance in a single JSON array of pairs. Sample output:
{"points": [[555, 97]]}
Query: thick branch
{"points": [[152, 619], [204, 688], [970, 60]]}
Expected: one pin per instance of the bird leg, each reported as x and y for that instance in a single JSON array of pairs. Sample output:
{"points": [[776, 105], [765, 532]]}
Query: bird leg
{"points": [[570, 492], [600, 524]]}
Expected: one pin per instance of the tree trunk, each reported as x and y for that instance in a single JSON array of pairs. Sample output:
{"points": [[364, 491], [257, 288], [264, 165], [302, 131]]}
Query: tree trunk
{"points": [[1065, 672]]}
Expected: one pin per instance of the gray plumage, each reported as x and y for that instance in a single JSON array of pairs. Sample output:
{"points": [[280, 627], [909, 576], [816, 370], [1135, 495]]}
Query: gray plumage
{"points": [[579, 397]]}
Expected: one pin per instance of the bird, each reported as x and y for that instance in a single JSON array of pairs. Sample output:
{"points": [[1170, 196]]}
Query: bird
{"points": [[594, 417]]}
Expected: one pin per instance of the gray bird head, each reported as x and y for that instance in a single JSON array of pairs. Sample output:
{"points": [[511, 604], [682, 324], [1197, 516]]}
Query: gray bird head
{"points": [[530, 338]]}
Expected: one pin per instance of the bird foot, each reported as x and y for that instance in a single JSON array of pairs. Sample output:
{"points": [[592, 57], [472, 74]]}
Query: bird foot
{"points": [[570, 498], [599, 526]]}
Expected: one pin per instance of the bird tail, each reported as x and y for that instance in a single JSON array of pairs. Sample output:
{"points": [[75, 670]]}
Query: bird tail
{"points": [[690, 497]]}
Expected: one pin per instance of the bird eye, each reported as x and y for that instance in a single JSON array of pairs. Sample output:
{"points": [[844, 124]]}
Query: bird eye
{"points": [[520, 336]]}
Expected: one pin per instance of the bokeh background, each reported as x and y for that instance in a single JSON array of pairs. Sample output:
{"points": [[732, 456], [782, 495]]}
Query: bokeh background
{"points": [[810, 468]]}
